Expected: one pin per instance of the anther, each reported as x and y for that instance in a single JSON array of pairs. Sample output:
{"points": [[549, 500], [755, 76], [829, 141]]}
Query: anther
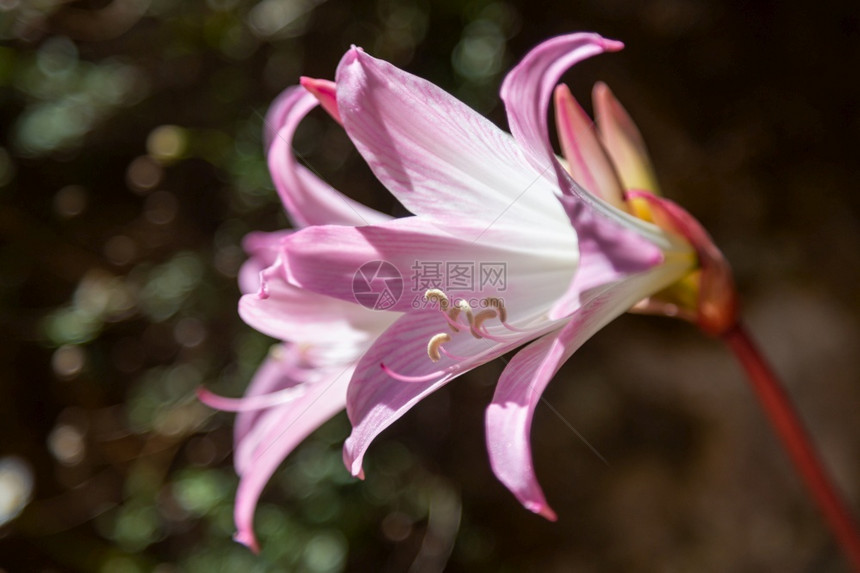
{"points": [[435, 295], [435, 345], [482, 316], [277, 352], [499, 305], [470, 318], [464, 306], [452, 316]]}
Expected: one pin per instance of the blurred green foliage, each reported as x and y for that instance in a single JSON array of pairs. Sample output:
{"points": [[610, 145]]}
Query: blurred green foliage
{"points": [[133, 166]]}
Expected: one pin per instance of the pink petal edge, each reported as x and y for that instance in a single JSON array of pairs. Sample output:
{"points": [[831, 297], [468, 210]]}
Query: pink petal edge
{"points": [[326, 92], [375, 400], [439, 157], [609, 244], [275, 434], [527, 90], [509, 416], [308, 199], [587, 161], [623, 141]]}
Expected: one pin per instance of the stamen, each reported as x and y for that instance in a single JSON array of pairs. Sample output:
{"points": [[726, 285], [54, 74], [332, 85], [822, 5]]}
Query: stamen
{"points": [[476, 324], [499, 305], [435, 345], [465, 307], [451, 356], [435, 295], [482, 316], [470, 318], [251, 403], [277, 352], [452, 316], [478, 328], [485, 334], [403, 378], [435, 350]]}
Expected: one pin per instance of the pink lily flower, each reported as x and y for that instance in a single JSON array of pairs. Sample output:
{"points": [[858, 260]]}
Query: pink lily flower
{"points": [[303, 382], [576, 253]]}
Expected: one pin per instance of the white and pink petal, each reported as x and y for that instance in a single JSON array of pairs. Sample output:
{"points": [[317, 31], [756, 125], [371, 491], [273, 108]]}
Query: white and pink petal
{"points": [[528, 88], [509, 416], [439, 157], [329, 260], [287, 312], [275, 433], [396, 373]]}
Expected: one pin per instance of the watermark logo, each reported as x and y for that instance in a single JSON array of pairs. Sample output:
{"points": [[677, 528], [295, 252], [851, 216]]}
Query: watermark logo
{"points": [[377, 285], [459, 275]]}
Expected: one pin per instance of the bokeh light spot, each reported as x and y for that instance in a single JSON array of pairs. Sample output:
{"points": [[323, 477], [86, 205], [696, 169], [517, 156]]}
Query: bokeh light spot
{"points": [[143, 174], [228, 260], [66, 443], [161, 207], [16, 487], [70, 201], [326, 552], [167, 143], [396, 526], [68, 361], [120, 250], [57, 56], [189, 332], [479, 55]]}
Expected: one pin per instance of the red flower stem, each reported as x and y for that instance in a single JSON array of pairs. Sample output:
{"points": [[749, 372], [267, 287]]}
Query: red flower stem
{"points": [[790, 430]]}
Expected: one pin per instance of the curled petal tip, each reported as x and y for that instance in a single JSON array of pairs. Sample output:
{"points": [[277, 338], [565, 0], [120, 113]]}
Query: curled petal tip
{"points": [[326, 92], [612, 45], [352, 463], [605, 103], [247, 539], [543, 510], [353, 53], [203, 394], [315, 85], [600, 90]]}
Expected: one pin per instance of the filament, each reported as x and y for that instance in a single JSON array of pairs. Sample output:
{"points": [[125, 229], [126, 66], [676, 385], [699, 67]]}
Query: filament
{"points": [[404, 378]]}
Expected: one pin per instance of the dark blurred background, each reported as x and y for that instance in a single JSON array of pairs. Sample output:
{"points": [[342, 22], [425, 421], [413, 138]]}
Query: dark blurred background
{"points": [[131, 166]]}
